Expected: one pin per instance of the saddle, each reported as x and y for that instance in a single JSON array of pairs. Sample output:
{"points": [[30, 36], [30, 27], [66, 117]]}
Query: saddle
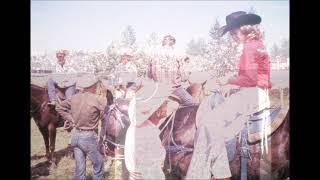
{"points": [[275, 118], [252, 133]]}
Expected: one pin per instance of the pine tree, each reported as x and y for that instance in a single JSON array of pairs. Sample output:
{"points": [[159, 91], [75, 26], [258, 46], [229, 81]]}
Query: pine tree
{"points": [[192, 48], [252, 10], [284, 50], [222, 51], [274, 52], [153, 40], [128, 37]]}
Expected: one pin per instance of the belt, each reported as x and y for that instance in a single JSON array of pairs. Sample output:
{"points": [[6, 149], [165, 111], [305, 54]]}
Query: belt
{"points": [[85, 129]]}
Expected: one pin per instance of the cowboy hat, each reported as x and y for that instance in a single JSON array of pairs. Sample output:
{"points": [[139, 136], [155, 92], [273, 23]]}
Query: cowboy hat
{"points": [[238, 19], [61, 51], [148, 100]]}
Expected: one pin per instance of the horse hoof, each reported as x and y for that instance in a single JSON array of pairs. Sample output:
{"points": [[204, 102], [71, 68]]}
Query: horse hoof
{"points": [[53, 165]]}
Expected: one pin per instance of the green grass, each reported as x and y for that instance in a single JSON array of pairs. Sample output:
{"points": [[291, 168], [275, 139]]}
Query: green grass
{"points": [[41, 170]]}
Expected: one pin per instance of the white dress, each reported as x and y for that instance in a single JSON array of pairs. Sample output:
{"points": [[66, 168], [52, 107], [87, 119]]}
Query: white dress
{"points": [[144, 152]]}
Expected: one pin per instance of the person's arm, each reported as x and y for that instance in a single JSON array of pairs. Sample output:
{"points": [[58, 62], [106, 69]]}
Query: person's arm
{"points": [[63, 109], [101, 106], [250, 72], [264, 68]]}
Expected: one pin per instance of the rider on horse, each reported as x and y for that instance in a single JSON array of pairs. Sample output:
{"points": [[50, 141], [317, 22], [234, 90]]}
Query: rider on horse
{"points": [[61, 78], [225, 121], [125, 72], [165, 68]]}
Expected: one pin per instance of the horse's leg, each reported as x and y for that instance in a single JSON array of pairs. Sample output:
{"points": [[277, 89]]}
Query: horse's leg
{"points": [[45, 135], [52, 136]]}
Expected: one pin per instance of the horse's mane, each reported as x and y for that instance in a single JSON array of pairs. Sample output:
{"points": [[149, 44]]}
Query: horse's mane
{"points": [[36, 87]]}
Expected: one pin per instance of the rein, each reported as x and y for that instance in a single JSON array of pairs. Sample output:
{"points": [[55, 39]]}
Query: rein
{"points": [[105, 140]]}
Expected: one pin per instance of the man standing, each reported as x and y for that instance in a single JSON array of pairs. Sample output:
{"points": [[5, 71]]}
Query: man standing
{"points": [[84, 111], [165, 68], [61, 78], [164, 64]]}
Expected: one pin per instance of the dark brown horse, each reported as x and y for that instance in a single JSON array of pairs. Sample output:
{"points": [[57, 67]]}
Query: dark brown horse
{"points": [[178, 138], [115, 126], [47, 118], [178, 135]]}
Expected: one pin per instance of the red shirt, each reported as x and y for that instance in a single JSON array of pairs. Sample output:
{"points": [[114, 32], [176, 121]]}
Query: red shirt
{"points": [[254, 66]]}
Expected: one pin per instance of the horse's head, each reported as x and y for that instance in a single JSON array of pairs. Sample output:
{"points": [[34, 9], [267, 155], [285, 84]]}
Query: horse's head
{"points": [[116, 123], [197, 90]]}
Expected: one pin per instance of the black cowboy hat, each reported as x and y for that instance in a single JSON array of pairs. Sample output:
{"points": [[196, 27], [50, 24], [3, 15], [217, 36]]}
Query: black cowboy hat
{"points": [[238, 19]]}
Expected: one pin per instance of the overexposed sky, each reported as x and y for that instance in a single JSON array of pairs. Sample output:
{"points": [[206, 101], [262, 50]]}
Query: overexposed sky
{"points": [[92, 25]]}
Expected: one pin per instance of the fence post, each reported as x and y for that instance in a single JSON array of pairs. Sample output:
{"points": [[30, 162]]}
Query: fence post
{"points": [[281, 97]]}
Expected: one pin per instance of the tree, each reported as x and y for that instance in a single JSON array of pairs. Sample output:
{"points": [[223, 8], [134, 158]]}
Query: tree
{"points": [[196, 48], [222, 51], [284, 49], [153, 40], [252, 10], [192, 48], [215, 31], [274, 52], [128, 37]]}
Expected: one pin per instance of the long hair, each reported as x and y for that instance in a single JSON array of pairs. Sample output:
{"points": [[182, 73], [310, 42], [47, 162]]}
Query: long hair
{"points": [[252, 32]]}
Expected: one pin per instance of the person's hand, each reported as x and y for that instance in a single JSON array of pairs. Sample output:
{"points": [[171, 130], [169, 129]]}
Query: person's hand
{"points": [[68, 126], [222, 82]]}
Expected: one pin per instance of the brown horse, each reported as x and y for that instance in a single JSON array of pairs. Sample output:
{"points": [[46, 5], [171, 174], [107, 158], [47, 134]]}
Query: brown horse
{"points": [[115, 126], [178, 138], [47, 118]]}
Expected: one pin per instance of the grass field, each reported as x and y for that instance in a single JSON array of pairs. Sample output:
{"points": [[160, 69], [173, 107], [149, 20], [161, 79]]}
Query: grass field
{"points": [[42, 170]]}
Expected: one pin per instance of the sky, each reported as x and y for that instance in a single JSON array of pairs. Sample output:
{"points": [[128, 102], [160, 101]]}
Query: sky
{"points": [[92, 25]]}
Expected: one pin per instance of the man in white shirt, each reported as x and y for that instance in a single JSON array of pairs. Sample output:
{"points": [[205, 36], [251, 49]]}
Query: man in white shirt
{"points": [[126, 72], [61, 78]]}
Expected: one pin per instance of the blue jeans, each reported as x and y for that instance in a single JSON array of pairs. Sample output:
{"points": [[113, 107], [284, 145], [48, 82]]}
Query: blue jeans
{"points": [[85, 143], [52, 90]]}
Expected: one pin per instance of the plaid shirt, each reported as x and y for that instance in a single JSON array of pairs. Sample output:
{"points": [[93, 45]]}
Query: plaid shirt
{"points": [[165, 66], [126, 72], [65, 75]]}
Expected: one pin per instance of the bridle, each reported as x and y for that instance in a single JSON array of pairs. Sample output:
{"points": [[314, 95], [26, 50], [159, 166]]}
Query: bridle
{"points": [[105, 140]]}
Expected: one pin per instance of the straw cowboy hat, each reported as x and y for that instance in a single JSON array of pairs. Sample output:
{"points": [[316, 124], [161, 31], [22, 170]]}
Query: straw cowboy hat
{"points": [[149, 99], [238, 19], [61, 51]]}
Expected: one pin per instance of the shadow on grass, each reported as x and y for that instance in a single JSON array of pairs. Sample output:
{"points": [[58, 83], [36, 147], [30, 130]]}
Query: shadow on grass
{"points": [[43, 168]]}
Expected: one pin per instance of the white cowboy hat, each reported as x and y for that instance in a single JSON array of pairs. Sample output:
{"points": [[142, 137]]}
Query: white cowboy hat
{"points": [[61, 51], [149, 99]]}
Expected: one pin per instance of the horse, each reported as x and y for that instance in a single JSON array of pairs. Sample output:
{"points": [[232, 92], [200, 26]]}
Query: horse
{"points": [[178, 138], [178, 135], [115, 125], [47, 118]]}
